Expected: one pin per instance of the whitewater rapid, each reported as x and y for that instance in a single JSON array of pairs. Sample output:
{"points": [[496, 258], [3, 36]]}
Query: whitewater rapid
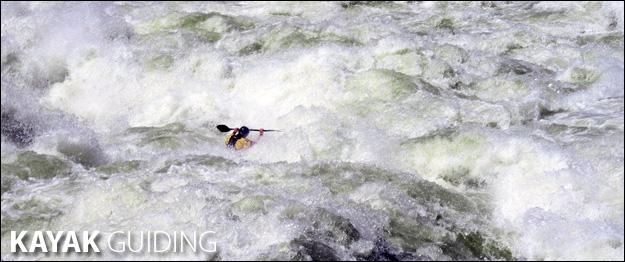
{"points": [[410, 130]]}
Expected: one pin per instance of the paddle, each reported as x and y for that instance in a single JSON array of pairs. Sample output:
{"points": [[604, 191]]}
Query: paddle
{"points": [[225, 128]]}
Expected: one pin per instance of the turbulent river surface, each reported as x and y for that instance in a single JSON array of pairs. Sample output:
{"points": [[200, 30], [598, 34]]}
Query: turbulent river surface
{"points": [[410, 130]]}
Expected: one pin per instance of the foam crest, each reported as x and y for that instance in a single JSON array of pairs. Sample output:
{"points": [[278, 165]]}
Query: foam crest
{"points": [[411, 131]]}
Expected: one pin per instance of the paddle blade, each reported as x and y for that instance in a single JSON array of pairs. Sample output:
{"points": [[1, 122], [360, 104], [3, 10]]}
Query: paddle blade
{"points": [[223, 128]]}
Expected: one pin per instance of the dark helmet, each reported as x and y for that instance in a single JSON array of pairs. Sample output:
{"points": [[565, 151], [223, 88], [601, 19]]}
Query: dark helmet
{"points": [[244, 131]]}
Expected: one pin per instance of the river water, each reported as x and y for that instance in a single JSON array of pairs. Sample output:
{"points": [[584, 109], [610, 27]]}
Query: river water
{"points": [[410, 130]]}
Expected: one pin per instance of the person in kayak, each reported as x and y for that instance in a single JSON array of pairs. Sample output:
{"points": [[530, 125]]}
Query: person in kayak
{"points": [[238, 139]]}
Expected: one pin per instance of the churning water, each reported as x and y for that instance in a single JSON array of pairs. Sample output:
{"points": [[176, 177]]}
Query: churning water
{"points": [[411, 130]]}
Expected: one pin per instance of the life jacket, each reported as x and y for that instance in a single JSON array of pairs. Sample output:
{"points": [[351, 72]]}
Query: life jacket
{"points": [[238, 141]]}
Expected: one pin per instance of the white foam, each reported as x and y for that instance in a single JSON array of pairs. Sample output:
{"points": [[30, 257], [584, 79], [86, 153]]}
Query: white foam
{"points": [[365, 99]]}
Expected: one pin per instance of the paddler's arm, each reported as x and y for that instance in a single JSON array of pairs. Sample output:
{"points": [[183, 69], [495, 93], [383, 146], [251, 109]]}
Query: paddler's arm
{"points": [[260, 131], [234, 133]]}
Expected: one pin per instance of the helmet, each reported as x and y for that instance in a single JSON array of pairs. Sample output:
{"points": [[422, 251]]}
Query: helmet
{"points": [[244, 131]]}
